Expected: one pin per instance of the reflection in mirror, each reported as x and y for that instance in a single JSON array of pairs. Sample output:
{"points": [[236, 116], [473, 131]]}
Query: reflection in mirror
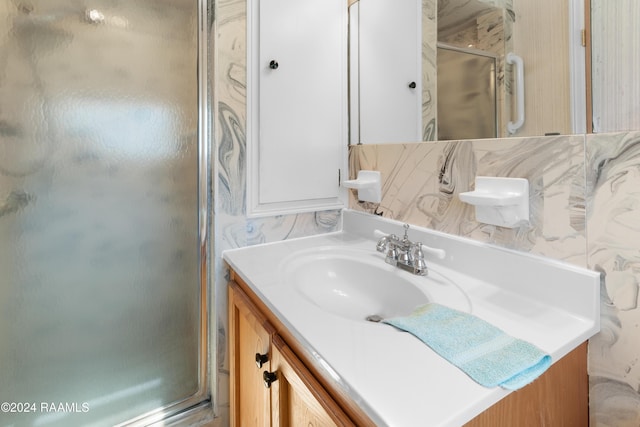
{"points": [[468, 78], [385, 71], [536, 30], [477, 104], [615, 62]]}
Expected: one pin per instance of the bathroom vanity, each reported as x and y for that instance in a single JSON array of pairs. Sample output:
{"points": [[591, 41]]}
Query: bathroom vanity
{"points": [[269, 382], [303, 356]]}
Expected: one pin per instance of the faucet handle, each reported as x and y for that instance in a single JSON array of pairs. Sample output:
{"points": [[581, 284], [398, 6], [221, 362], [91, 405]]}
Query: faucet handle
{"points": [[419, 265], [417, 250], [405, 238], [392, 256], [406, 257]]}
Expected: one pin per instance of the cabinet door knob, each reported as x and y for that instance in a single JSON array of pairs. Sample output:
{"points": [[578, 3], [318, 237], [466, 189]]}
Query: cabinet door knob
{"points": [[261, 359], [274, 64], [269, 378], [412, 85]]}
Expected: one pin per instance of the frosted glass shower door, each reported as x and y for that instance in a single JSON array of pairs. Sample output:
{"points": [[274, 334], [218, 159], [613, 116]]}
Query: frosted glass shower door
{"points": [[100, 261]]}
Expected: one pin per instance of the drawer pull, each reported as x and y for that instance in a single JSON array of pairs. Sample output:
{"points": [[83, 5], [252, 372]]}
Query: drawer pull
{"points": [[261, 359], [269, 378]]}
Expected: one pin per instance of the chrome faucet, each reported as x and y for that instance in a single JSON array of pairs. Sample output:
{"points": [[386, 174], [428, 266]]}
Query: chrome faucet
{"points": [[403, 253]]}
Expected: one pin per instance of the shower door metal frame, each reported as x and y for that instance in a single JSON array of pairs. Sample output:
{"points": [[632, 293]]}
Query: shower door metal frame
{"points": [[494, 76], [197, 407]]}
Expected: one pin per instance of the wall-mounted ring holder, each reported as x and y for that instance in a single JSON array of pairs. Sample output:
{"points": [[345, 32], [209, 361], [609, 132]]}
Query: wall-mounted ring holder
{"points": [[500, 201]]}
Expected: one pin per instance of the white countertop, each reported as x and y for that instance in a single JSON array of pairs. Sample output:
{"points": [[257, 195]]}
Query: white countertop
{"points": [[397, 379]]}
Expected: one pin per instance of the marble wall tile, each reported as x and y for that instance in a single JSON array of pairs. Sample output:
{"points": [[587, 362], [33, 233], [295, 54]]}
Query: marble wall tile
{"points": [[421, 182], [613, 223], [429, 82]]}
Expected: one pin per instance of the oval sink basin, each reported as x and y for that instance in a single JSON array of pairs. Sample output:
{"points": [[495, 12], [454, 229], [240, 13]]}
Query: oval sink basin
{"points": [[359, 285]]}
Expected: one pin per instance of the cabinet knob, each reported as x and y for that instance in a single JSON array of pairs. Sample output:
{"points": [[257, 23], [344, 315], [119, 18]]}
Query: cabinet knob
{"points": [[269, 378], [261, 359], [412, 85], [274, 64]]}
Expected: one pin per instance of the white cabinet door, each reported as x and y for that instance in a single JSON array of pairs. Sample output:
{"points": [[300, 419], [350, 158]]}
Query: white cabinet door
{"points": [[390, 63], [301, 104]]}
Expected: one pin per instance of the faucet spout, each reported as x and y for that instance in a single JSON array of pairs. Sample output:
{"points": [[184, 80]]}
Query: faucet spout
{"points": [[382, 244]]}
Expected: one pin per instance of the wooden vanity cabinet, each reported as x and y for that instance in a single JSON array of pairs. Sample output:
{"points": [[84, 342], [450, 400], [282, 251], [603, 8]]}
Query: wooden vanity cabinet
{"points": [[297, 397], [249, 356], [559, 398], [301, 396], [270, 386]]}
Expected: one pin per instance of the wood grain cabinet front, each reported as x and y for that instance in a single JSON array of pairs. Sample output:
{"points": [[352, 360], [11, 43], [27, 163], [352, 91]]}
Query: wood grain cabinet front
{"points": [[297, 397], [270, 386], [250, 356]]}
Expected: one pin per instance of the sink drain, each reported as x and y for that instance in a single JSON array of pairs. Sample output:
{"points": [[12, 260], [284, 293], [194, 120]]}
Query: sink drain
{"points": [[374, 318]]}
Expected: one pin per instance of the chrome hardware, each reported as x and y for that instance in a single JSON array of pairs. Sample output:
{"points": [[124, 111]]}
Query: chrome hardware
{"points": [[269, 378], [375, 318], [419, 263], [403, 253], [392, 253], [382, 244], [261, 359]]}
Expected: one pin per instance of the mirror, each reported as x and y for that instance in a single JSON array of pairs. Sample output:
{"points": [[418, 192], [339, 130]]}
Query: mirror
{"points": [[478, 31]]}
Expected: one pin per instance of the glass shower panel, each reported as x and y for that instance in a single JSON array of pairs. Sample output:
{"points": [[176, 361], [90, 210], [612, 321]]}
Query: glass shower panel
{"points": [[467, 108], [99, 250]]}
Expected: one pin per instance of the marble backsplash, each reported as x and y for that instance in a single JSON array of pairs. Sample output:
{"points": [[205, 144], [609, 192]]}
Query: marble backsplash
{"points": [[421, 183], [583, 195]]}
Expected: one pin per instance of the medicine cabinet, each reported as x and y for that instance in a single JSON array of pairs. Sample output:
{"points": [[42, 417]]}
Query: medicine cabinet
{"points": [[297, 105], [385, 45]]}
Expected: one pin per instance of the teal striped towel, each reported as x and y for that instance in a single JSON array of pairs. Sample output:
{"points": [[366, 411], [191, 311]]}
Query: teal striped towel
{"points": [[485, 353]]}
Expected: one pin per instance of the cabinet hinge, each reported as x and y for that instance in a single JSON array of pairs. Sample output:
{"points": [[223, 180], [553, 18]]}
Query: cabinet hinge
{"points": [[583, 34], [339, 177]]}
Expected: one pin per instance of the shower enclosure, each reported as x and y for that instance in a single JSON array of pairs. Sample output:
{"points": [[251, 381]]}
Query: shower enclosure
{"points": [[468, 106], [104, 211]]}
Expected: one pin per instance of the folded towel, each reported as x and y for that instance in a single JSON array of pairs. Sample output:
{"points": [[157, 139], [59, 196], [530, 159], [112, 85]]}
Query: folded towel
{"points": [[485, 353]]}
